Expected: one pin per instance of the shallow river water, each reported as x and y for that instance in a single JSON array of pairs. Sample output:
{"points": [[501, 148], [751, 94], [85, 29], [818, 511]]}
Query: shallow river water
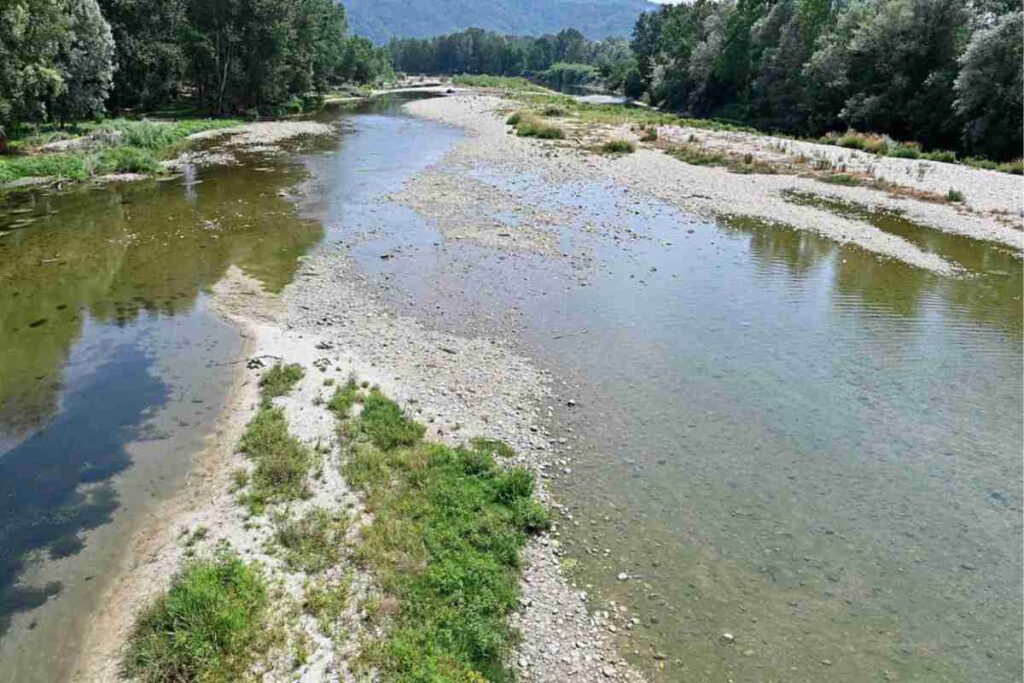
{"points": [[809, 448]]}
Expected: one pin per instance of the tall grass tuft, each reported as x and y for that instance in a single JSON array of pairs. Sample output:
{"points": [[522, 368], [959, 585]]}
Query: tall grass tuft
{"points": [[209, 626]]}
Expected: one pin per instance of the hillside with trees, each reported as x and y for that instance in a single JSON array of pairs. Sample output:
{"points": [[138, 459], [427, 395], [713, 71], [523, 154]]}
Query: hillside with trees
{"points": [[381, 20], [944, 73]]}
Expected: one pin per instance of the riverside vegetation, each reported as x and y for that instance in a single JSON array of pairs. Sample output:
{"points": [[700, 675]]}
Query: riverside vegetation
{"points": [[65, 65], [442, 547], [933, 79]]}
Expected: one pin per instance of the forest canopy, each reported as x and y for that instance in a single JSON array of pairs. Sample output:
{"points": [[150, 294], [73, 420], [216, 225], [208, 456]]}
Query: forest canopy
{"points": [[944, 73], [63, 60]]}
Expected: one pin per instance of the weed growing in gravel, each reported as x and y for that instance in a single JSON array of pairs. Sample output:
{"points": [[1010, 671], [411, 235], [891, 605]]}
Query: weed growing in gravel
{"points": [[618, 147], [528, 125], [448, 525], [280, 380], [313, 542], [209, 626], [841, 179], [325, 601], [955, 195], [650, 134], [344, 398], [283, 463]]}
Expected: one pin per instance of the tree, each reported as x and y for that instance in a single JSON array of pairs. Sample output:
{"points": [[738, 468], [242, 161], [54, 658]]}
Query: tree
{"points": [[86, 61], [149, 57], [30, 33], [989, 89]]}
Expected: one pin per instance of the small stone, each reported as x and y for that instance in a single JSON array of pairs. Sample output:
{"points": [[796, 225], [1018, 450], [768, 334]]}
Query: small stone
{"points": [[623, 576], [608, 672], [728, 638]]}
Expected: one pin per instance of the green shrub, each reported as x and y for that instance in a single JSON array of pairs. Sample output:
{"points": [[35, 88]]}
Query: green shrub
{"points": [[650, 134], [529, 126], [618, 147], [126, 160], [209, 626], [553, 111], [955, 195], [515, 118], [905, 150], [942, 155], [43, 166]]}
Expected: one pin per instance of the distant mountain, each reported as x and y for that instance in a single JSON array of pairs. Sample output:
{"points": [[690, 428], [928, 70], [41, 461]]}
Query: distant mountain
{"points": [[380, 20]]}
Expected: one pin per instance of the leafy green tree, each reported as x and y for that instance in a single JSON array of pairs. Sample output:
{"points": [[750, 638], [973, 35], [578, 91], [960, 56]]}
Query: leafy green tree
{"points": [[86, 61], [902, 62], [149, 58], [989, 89], [30, 35]]}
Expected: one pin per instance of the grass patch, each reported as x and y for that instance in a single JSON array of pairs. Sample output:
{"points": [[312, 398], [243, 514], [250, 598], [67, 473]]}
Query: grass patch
{"points": [[529, 125], [115, 146], [344, 398], [448, 525], [209, 626], [67, 166], [1015, 167], [495, 447], [325, 601], [313, 542], [280, 380], [905, 150], [618, 147], [943, 155], [841, 179], [500, 82], [650, 134], [701, 156], [384, 424], [283, 463], [697, 156], [955, 196]]}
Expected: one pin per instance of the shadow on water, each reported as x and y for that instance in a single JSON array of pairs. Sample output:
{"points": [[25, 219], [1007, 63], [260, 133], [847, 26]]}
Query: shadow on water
{"points": [[55, 484]]}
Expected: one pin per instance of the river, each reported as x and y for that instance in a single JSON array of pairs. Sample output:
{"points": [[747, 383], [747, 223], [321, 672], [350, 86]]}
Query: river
{"points": [[806, 447]]}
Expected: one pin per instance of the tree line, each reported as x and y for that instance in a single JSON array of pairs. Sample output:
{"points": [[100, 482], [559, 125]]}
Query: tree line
{"points": [[562, 59], [63, 60], [944, 73]]}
